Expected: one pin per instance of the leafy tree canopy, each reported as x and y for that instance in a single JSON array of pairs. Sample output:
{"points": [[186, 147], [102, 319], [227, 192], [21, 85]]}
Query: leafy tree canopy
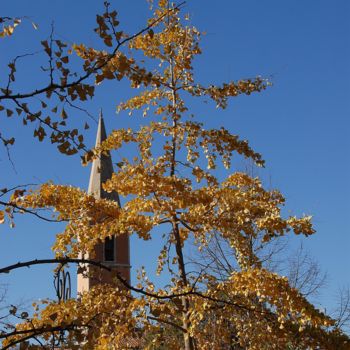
{"points": [[170, 186]]}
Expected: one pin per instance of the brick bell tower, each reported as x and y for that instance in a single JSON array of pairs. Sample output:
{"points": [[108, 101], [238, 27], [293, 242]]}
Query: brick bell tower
{"points": [[113, 252]]}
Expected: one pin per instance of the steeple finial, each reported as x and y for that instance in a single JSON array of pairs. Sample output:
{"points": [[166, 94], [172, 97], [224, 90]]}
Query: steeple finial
{"points": [[101, 131]]}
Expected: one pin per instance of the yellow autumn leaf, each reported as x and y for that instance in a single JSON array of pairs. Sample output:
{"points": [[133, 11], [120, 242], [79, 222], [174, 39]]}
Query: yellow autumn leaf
{"points": [[2, 217]]}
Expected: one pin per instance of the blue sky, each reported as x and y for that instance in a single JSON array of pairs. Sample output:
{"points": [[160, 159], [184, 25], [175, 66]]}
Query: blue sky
{"points": [[300, 125]]}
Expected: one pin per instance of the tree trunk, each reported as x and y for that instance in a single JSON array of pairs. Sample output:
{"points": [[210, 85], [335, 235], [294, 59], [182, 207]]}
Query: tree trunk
{"points": [[188, 340]]}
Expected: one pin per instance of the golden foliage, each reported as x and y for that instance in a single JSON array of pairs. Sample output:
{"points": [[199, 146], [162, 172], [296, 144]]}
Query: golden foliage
{"points": [[169, 183]]}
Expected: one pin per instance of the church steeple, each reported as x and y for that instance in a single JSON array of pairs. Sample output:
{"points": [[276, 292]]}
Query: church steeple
{"points": [[102, 167], [114, 251]]}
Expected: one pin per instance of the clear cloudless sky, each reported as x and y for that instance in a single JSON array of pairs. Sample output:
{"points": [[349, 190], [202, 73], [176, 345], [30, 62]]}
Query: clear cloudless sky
{"points": [[300, 125]]}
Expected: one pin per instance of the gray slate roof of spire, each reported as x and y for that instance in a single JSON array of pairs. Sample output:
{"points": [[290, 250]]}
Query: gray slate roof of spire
{"points": [[102, 168]]}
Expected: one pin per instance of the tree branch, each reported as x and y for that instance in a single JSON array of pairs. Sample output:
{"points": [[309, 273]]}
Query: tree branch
{"points": [[95, 68], [34, 333], [13, 205], [167, 322], [63, 261]]}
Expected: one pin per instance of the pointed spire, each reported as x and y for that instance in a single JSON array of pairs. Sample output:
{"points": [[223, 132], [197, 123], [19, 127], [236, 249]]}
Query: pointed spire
{"points": [[102, 167], [101, 130]]}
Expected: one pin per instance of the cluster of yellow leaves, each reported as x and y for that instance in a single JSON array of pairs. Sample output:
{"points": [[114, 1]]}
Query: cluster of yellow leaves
{"points": [[238, 209], [275, 290], [175, 43], [256, 300], [8, 26], [90, 220], [190, 134], [178, 45], [10, 205], [91, 321], [147, 97], [215, 142], [249, 320], [7, 213], [248, 304], [114, 66], [143, 138], [221, 94]]}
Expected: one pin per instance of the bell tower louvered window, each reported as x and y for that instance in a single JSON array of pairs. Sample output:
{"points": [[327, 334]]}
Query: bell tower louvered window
{"points": [[109, 251]]}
